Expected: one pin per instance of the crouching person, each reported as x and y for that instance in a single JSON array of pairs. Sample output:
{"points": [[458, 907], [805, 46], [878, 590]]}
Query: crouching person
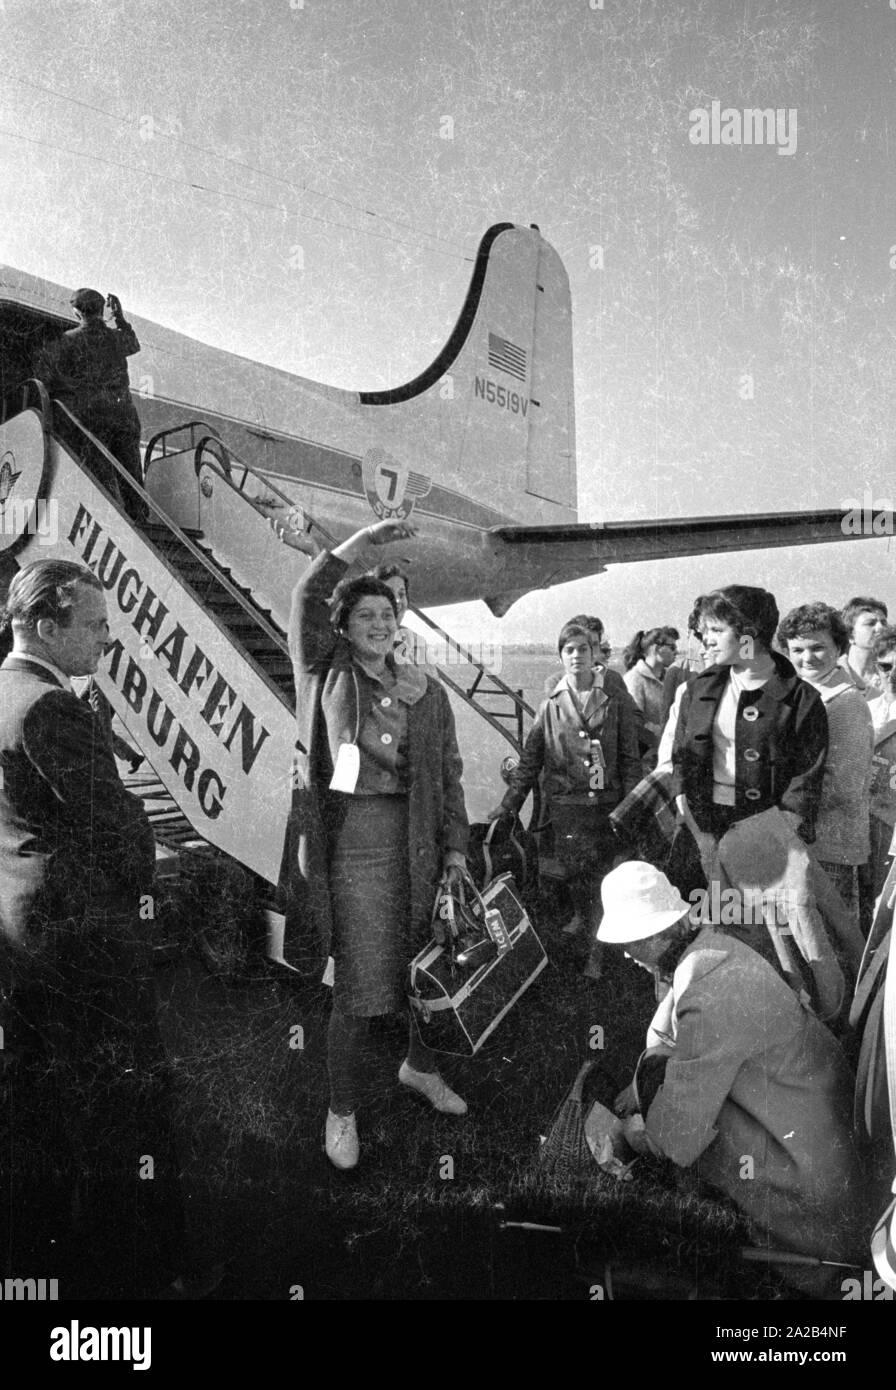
{"points": [[754, 1093]]}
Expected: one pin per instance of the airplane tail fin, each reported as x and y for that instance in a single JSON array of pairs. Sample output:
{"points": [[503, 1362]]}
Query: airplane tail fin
{"points": [[497, 401]]}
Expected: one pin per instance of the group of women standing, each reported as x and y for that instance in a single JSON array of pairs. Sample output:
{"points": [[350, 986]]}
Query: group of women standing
{"points": [[378, 812]]}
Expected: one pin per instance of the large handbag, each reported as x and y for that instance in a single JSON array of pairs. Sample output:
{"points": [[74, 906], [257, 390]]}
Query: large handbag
{"points": [[484, 955]]}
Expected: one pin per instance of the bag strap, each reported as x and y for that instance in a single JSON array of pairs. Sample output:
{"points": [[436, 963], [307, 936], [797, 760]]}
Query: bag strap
{"points": [[487, 847], [880, 924], [890, 1031], [883, 1240], [462, 885], [522, 854], [867, 1068], [883, 1244], [867, 984], [444, 920], [487, 844], [445, 927]]}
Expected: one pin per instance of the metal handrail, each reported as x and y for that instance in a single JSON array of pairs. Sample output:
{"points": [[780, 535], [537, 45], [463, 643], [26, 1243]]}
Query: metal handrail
{"points": [[227, 460], [169, 525], [521, 706], [220, 578], [164, 435], [485, 714], [471, 660], [211, 452], [42, 394], [222, 461]]}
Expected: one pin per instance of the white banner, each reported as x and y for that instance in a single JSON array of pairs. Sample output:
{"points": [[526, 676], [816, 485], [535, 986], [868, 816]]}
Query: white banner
{"points": [[219, 738]]}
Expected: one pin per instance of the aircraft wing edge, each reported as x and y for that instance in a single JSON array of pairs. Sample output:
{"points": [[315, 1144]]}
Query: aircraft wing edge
{"points": [[628, 541]]}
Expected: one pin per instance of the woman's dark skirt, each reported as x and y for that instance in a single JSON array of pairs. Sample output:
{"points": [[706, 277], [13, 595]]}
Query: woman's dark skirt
{"points": [[370, 894], [584, 839]]}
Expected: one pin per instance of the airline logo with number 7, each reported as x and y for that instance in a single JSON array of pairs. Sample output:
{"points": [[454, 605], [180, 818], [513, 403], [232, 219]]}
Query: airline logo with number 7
{"points": [[392, 488]]}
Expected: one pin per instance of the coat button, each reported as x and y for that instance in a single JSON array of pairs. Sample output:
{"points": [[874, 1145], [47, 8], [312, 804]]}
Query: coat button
{"points": [[592, 795], [582, 734], [752, 793], [751, 755], [386, 701], [385, 738], [751, 713]]}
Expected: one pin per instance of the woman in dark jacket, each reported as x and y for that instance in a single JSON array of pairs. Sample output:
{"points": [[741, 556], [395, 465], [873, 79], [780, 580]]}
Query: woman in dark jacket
{"points": [[378, 815], [585, 741], [750, 733]]}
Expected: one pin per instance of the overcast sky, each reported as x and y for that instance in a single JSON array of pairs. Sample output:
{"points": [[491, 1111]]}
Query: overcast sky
{"points": [[271, 177]]}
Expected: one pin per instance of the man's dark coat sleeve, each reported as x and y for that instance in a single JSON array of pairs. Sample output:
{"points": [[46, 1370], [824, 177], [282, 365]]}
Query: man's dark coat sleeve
{"points": [[98, 822]]}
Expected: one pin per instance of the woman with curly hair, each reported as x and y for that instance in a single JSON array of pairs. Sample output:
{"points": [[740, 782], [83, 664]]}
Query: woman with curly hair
{"points": [[747, 768], [377, 820], [750, 734], [815, 638]]}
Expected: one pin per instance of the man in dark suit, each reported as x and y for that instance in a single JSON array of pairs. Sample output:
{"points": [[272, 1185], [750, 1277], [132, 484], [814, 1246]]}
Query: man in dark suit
{"points": [[87, 369], [77, 1000]]}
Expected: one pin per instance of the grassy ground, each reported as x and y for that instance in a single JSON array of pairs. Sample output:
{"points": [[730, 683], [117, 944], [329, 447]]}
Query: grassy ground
{"points": [[421, 1217], [438, 1207]]}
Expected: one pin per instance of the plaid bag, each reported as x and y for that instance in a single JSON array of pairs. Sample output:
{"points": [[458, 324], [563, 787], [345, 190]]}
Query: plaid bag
{"points": [[647, 818]]}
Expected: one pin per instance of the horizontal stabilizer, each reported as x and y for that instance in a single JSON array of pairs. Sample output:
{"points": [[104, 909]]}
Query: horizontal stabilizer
{"points": [[617, 542]]}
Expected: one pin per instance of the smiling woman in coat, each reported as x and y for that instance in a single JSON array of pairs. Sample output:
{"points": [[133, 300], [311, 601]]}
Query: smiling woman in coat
{"points": [[378, 815]]}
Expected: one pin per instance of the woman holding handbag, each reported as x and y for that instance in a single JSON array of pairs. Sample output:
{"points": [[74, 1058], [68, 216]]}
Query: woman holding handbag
{"points": [[378, 815], [585, 741]]}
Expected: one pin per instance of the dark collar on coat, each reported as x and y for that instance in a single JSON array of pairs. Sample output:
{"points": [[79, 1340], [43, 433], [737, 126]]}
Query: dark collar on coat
{"points": [[781, 684], [33, 668]]}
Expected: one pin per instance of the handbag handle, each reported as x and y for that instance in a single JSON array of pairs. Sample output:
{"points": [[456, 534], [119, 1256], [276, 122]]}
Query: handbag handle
{"points": [[487, 844], [492, 921], [466, 881], [443, 913], [444, 922]]}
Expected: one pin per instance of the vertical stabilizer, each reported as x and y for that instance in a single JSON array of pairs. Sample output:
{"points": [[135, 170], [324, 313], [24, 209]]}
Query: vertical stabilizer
{"points": [[495, 407]]}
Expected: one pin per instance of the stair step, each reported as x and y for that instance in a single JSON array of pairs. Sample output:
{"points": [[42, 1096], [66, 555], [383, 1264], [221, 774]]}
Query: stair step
{"points": [[206, 581]]}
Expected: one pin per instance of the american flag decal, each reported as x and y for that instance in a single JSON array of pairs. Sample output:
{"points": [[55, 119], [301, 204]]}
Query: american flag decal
{"points": [[506, 357]]}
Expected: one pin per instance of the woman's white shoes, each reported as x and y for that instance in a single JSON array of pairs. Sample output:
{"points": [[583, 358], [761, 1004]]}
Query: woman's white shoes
{"points": [[342, 1146], [437, 1092]]}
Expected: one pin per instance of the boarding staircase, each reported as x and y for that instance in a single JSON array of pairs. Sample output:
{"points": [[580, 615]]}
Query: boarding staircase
{"points": [[250, 626], [209, 598], [199, 448], [237, 650]]}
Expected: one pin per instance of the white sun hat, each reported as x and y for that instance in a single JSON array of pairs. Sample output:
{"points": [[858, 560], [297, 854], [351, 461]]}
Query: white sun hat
{"points": [[639, 901]]}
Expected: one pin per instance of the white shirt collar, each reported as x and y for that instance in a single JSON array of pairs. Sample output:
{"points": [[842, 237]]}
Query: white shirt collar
{"points": [[48, 665]]}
